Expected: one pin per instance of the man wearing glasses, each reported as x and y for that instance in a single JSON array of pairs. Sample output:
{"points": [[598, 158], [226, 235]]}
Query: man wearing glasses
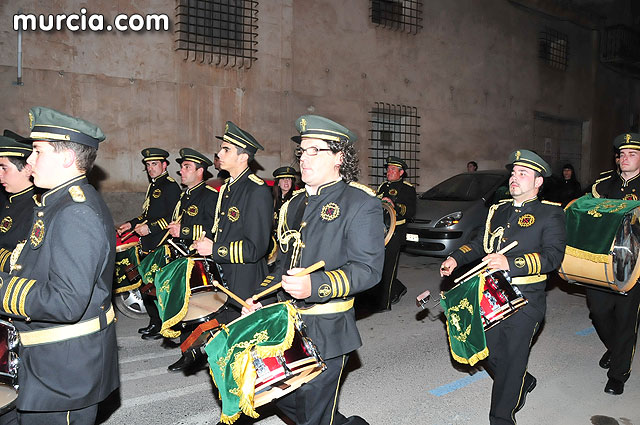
{"points": [[339, 221]]}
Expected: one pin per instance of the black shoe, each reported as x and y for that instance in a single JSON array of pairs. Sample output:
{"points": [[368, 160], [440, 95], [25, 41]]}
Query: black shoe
{"points": [[154, 333], [396, 299], [605, 361], [530, 383], [145, 330], [181, 364], [614, 387]]}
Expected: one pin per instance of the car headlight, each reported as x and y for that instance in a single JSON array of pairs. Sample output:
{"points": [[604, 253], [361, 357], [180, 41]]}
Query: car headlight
{"points": [[449, 220]]}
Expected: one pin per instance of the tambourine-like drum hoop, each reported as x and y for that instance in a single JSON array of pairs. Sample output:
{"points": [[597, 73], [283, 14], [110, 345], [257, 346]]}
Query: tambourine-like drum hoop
{"points": [[389, 215], [622, 269]]}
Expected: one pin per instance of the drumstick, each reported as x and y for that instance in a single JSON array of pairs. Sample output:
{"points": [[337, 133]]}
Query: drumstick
{"points": [[474, 271], [166, 235], [128, 235], [177, 248], [310, 269], [232, 295]]}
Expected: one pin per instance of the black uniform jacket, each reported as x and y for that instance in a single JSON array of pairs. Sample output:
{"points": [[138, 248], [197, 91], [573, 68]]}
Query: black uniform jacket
{"points": [[342, 224], [403, 195], [195, 211], [15, 223], [161, 198], [540, 231], [242, 230], [614, 186], [62, 278]]}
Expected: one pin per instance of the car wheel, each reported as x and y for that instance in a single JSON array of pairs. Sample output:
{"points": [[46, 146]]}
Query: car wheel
{"points": [[130, 304]]}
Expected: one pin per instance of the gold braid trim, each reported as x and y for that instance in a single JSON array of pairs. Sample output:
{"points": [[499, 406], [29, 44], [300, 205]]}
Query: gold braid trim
{"points": [[166, 330], [586, 255], [13, 260], [285, 235], [488, 242], [216, 220]]}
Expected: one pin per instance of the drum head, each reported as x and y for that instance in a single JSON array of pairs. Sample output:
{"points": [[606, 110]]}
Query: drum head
{"points": [[203, 304], [125, 246], [8, 396], [626, 268]]}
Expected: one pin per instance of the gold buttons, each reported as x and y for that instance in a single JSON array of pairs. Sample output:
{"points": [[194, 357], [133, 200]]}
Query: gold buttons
{"points": [[40, 214]]}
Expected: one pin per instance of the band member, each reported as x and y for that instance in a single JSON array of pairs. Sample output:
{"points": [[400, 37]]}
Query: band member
{"points": [[161, 198], [15, 177], [59, 289], [243, 219], [615, 316], [283, 188], [402, 196], [538, 227], [339, 221]]}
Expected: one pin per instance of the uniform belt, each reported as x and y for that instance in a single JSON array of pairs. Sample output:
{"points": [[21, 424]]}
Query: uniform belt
{"points": [[328, 308], [525, 280], [64, 332], [401, 222]]}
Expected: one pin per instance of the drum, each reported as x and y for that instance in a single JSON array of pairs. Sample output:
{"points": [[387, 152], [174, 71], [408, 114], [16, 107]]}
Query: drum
{"points": [[9, 363], [389, 217], [499, 299], [268, 355], [125, 246], [616, 271], [127, 277], [206, 301]]}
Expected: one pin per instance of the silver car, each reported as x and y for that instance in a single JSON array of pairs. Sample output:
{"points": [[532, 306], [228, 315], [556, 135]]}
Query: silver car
{"points": [[452, 212]]}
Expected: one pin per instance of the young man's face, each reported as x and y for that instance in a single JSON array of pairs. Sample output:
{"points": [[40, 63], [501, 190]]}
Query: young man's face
{"points": [[523, 183], [629, 161], [322, 168], [230, 159], [46, 164], [190, 174], [155, 168], [14, 181]]}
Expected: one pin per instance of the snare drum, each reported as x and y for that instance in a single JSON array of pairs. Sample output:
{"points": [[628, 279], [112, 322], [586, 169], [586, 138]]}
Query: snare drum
{"points": [[9, 363], [619, 269], [205, 301], [127, 277], [499, 299]]}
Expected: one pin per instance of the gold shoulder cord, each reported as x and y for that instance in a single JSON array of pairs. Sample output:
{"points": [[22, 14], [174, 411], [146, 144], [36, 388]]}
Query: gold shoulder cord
{"points": [[489, 241], [285, 235], [216, 220], [13, 260], [145, 204]]}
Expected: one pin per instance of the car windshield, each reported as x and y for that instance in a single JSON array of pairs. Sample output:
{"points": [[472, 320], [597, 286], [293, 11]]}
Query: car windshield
{"points": [[463, 187]]}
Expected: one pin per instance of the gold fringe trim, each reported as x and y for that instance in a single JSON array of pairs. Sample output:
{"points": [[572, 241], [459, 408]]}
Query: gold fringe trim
{"points": [[586, 255], [166, 330], [127, 288], [229, 419]]}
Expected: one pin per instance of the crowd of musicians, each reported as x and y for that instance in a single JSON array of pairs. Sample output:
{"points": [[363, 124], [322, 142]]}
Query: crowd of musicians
{"points": [[58, 246]]}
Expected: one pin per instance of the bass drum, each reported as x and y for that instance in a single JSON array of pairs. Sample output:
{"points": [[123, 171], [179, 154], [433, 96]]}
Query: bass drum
{"points": [[389, 215], [622, 269]]}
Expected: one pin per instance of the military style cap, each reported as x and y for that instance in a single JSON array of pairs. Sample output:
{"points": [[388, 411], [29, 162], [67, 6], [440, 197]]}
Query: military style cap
{"points": [[398, 162], [13, 148], [16, 136], [53, 126], [627, 141], [317, 127], [237, 136], [283, 172], [531, 160], [188, 154], [154, 154]]}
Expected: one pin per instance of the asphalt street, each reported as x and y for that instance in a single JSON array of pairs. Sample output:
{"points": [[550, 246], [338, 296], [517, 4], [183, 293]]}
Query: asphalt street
{"points": [[403, 373]]}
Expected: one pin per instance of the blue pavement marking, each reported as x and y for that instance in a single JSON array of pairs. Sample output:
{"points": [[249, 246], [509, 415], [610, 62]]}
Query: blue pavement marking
{"points": [[586, 332], [460, 383]]}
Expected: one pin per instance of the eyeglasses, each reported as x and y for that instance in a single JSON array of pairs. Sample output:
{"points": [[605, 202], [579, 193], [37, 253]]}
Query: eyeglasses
{"points": [[311, 151]]}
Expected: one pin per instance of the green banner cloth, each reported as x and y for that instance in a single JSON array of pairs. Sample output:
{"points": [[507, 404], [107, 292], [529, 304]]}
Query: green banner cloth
{"points": [[152, 263], [125, 259], [461, 306], [172, 292], [592, 224], [268, 331]]}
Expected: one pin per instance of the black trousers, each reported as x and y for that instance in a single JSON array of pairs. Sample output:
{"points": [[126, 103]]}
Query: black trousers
{"points": [[509, 344], [316, 402], [389, 287], [85, 416], [615, 318], [152, 310]]}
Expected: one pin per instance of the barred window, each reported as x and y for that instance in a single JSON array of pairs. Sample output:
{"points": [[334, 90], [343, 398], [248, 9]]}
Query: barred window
{"points": [[401, 15], [220, 32], [394, 131], [554, 48]]}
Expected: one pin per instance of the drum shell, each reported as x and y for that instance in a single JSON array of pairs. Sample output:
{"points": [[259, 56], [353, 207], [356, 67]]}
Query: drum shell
{"points": [[205, 301], [505, 299], [9, 363]]}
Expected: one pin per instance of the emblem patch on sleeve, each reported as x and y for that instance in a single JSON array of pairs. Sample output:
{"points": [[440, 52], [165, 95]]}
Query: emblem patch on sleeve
{"points": [[526, 220], [223, 251], [186, 230], [156, 193], [324, 290], [233, 214], [192, 210], [519, 262], [330, 212], [37, 234], [5, 225]]}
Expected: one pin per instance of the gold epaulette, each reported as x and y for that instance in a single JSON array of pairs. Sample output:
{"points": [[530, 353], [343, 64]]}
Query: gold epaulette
{"points": [[504, 201], [557, 204], [77, 194], [407, 183], [256, 179], [211, 188], [364, 188], [171, 179], [603, 179], [606, 172], [298, 192]]}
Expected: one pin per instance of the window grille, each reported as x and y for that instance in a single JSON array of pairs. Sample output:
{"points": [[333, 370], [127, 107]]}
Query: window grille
{"points": [[394, 131], [220, 32], [554, 48], [400, 15]]}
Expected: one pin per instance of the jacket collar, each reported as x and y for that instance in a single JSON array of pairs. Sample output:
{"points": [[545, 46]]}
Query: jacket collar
{"points": [[194, 188], [58, 192], [28, 191]]}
